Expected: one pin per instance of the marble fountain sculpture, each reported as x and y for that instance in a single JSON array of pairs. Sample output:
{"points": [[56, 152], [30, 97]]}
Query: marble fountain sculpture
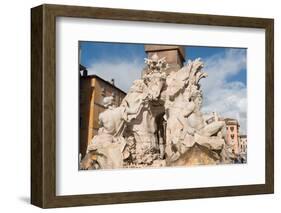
{"points": [[159, 123]]}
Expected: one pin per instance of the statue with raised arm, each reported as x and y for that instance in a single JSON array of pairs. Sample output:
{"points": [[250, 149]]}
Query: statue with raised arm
{"points": [[140, 113], [185, 121]]}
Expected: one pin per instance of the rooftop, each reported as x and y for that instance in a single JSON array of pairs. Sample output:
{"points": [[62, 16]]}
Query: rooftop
{"points": [[103, 80]]}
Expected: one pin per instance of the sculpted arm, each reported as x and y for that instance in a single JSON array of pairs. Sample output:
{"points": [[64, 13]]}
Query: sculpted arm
{"points": [[101, 124], [187, 112], [100, 120], [134, 110]]}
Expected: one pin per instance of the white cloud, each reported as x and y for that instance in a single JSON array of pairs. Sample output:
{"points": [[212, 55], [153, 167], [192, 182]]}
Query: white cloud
{"points": [[124, 72], [229, 99]]}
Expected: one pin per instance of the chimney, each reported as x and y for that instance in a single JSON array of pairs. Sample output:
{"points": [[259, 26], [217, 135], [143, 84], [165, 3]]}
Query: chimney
{"points": [[112, 81], [83, 70]]}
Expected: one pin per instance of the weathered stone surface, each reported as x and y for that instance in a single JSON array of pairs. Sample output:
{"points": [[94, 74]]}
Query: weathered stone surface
{"points": [[159, 122], [196, 155]]}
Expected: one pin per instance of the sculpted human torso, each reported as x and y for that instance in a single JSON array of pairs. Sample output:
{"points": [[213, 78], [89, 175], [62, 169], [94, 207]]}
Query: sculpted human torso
{"points": [[110, 120], [196, 120]]}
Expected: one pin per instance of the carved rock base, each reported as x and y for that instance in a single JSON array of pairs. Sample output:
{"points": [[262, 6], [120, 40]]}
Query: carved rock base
{"points": [[196, 155]]}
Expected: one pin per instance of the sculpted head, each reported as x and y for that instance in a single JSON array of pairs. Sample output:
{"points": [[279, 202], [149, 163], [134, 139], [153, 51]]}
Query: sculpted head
{"points": [[197, 98], [156, 64], [108, 101], [152, 62], [138, 86]]}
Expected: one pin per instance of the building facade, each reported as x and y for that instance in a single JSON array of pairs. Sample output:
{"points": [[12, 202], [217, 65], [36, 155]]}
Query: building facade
{"points": [[243, 144], [232, 134], [92, 91]]}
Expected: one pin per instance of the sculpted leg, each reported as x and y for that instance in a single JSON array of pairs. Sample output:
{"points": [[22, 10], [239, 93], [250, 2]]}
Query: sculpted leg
{"points": [[212, 128]]}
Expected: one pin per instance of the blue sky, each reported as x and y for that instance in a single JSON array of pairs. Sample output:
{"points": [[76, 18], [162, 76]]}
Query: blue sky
{"points": [[93, 52], [193, 52], [224, 90]]}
